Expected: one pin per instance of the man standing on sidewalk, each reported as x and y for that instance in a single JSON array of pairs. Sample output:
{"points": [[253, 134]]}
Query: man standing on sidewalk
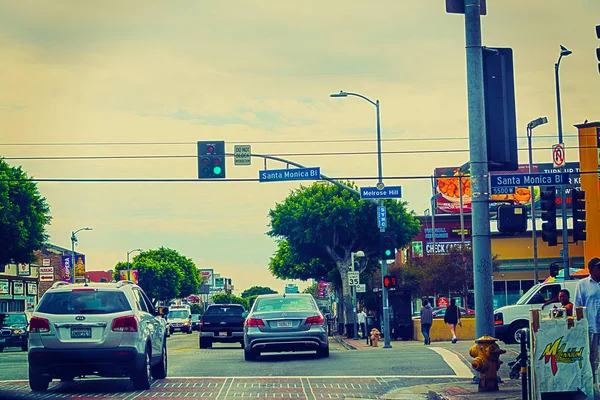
{"points": [[587, 294], [362, 320]]}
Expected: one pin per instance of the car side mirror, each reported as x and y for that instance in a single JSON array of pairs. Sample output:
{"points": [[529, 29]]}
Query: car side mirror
{"points": [[163, 310], [244, 314]]}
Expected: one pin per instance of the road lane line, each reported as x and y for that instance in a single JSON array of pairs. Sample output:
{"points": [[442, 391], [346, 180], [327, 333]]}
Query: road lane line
{"points": [[454, 362]]}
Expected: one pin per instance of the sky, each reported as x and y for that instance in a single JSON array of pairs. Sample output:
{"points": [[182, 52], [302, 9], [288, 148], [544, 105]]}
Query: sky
{"points": [[151, 78]]}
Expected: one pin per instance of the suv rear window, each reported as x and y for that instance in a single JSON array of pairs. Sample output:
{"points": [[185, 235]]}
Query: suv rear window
{"points": [[97, 302], [224, 310]]}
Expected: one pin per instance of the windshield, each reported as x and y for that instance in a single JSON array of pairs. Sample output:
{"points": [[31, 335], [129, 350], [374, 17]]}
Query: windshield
{"points": [[178, 314], [528, 294], [13, 319], [96, 302]]}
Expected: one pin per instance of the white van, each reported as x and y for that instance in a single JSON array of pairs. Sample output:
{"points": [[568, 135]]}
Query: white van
{"points": [[509, 319], [180, 319]]}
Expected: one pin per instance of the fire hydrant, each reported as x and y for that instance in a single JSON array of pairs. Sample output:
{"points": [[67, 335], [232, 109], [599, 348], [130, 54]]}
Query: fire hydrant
{"points": [[486, 354], [375, 336]]}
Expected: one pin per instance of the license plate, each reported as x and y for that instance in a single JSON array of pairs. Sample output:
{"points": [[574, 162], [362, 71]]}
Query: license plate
{"points": [[222, 333], [284, 324], [81, 333]]}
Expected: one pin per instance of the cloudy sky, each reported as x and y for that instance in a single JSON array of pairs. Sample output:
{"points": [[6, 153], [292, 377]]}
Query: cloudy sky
{"points": [[142, 78]]}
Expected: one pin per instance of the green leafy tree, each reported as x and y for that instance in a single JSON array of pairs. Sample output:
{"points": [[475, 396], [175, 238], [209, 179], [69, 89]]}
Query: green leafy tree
{"points": [[24, 215], [256, 290], [312, 289], [196, 308], [317, 228], [224, 298]]}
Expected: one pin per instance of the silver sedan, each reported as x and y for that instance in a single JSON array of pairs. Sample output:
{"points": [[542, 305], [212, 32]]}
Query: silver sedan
{"points": [[288, 322]]}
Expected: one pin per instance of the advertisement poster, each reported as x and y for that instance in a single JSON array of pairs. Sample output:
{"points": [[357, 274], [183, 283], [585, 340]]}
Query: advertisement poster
{"points": [[66, 268], [24, 270], [208, 275], [4, 287], [18, 288], [133, 275], [322, 288], [417, 249], [32, 288], [79, 268]]}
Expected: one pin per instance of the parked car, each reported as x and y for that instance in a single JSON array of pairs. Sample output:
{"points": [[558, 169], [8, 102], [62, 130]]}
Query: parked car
{"points": [[441, 312], [105, 329], [196, 322], [222, 323], [13, 330], [281, 323]]}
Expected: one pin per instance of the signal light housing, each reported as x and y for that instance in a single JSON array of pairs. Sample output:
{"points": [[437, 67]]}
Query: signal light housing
{"points": [[387, 245], [389, 281], [548, 206], [578, 212], [211, 160]]}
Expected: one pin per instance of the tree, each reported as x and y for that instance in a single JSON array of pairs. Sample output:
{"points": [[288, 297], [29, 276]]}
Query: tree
{"points": [[312, 289], [256, 290], [24, 215], [223, 298], [318, 226]]}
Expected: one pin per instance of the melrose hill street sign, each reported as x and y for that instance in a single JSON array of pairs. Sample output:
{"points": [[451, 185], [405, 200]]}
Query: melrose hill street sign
{"points": [[389, 192]]}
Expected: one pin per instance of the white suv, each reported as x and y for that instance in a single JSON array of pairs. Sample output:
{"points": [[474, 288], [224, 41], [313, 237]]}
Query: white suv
{"points": [[105, 329]]}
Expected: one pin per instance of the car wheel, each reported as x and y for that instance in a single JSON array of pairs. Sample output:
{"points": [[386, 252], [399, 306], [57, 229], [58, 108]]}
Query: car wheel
{"points": [[323, 353], [205, 343], [38, 382], [143, 377], [514, 331], [250, 355], [159, 371]]}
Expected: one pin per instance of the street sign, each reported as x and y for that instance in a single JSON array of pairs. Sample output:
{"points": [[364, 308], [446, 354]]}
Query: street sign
{"points": [[390, 192], [381, 217], [361, 288], [46, 262], [241, 154], [353, 278], [524, 180], [558, 155], [292, 174], [503, 190]]}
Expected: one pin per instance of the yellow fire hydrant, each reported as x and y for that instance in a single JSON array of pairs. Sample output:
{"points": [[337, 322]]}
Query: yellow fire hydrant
{"points": [[486, 354]]}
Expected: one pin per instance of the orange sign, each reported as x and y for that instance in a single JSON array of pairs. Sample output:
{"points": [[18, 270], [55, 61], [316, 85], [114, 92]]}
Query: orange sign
{"points": [[442, 302]]}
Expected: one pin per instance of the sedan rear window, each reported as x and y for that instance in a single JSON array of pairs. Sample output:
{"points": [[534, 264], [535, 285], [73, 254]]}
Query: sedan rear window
{"points": [[224, 310], [285, 304], [96, 302]]}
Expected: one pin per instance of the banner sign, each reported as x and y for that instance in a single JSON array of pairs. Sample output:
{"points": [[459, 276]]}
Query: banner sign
{"points": [[32, 289], [66, 268], [322, 288], [133, 275], [24, 269], [18, 288], [79, 268], [4, 287]]}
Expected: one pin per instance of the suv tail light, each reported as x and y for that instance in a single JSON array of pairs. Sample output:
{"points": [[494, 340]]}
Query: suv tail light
{"points": [[255, 322], [498, 319], [37, 324], [125, 324], [316, 320], [201, 323]]}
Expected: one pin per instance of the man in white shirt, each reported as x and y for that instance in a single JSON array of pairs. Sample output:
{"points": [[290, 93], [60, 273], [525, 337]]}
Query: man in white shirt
{"points": [[362, 320], [587, 294]]}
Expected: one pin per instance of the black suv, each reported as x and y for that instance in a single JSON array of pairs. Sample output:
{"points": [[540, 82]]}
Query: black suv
{"points": [[13, 330]]}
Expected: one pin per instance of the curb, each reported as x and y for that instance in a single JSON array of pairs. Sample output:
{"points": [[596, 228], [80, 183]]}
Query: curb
{"points": [[341, 341]]}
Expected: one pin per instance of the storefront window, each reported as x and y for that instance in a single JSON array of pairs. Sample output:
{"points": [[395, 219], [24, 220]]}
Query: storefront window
{"points": [[499, 294]]}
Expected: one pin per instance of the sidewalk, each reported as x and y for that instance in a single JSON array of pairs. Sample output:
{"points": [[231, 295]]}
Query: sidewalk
{"points": [[510, 389]]}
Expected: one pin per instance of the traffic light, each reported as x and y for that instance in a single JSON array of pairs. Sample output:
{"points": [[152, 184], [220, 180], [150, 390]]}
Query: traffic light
{"points": [[554, 269], [387, 245], [389, 281], [548, 205], [578, 212], [211, 160]]}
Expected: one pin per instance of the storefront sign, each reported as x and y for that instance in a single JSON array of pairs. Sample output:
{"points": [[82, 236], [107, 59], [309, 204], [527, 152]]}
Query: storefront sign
{"points": [[24, 270], [66, 268], [417, 249], [443, 247], [46, 262], [32, 289], [18, 288]]}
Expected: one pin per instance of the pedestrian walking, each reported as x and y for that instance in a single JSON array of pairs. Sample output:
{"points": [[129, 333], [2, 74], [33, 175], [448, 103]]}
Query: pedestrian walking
{"points": [[370, 325], [587, 294], [452, 318], [362, 321], [426, 321]]}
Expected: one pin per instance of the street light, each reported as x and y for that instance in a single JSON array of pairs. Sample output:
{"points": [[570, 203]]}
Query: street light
{"points": [[536, 122], [565, 233], [384, 292], [73, 240], [359, 253], [128, 265]]}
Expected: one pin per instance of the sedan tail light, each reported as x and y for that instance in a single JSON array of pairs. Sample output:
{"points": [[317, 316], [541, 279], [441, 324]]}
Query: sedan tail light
{"points": [[37, 324], [125, 324], [316, 320], [255, 322]]}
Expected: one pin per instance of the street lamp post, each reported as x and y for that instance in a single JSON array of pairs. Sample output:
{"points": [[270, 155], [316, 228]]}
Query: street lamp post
{"points": [[128, 265], [73, 241], [384, 291], [565, 233], [536, 122], [354, 307]]}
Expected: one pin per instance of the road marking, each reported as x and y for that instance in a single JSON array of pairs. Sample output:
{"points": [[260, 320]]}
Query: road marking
{"points": [[312, 394], [454, 362]]}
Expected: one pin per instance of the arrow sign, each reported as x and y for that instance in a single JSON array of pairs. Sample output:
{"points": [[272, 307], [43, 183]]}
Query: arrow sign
{"points": [[571, 395]]}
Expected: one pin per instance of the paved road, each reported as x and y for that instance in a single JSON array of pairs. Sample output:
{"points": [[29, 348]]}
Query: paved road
{"points": [[222, 372]]}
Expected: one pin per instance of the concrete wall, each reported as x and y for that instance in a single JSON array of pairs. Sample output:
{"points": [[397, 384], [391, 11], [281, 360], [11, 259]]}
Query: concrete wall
{"points": [[440, 332]]}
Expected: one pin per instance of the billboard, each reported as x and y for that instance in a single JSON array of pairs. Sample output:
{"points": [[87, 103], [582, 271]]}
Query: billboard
{"points": [[208, 275]]}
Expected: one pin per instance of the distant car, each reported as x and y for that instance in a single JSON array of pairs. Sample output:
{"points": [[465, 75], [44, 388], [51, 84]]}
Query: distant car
{"points": [[179, 319], [441, 312], [13, 330], [196, 322], [281, 323]]}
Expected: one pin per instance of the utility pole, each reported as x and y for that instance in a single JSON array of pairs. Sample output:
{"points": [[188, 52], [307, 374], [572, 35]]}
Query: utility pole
{"points": [[482, 254]]}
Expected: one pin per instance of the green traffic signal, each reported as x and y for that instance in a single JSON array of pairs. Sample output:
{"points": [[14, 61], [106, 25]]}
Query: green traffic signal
{"points": [[217, 170]]}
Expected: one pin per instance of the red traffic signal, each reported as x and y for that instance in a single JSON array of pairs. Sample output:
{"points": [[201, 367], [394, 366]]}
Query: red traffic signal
{"points": [[389, 281]]}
